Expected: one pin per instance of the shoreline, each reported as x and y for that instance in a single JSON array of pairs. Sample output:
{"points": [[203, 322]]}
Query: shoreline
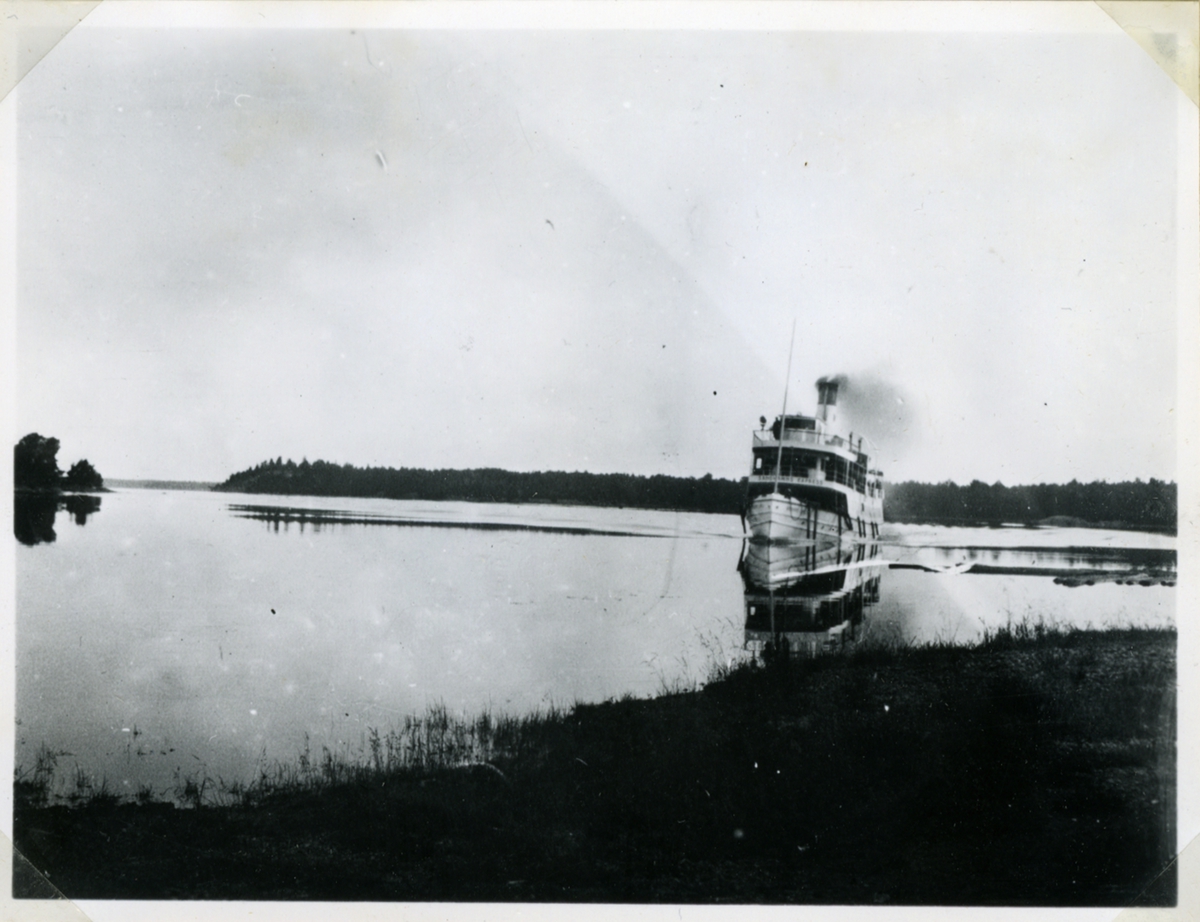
{"points": [[1034, 768], [56, 492], [1051, 522], [942, 521]]}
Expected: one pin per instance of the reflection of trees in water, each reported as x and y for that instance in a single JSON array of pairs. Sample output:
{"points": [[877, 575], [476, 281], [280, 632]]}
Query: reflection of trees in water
{"points": [[33, 518], [34, 514], [81, 507]]}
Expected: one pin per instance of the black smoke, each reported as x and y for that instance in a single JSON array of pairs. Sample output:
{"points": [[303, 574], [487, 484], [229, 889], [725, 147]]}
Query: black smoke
{"points": [[870, 405]]}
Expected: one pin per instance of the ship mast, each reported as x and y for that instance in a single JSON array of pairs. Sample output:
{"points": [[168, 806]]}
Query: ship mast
{"points": [[783, 416]]}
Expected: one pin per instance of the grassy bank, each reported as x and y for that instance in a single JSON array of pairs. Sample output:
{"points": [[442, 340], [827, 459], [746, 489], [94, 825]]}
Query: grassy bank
{"points": [[1037, 768]]}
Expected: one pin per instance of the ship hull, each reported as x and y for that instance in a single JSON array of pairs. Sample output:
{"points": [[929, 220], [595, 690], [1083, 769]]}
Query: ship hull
{"points": [[778, 518], [788, 513]]}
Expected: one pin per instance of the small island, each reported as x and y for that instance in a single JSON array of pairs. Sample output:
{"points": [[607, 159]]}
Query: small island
{"points": [[40, 489], [35, 469]]}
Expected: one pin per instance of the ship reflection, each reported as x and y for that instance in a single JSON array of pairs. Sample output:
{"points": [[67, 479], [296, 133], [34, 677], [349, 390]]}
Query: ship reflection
{"points": [[803, 599], [34, 514]]}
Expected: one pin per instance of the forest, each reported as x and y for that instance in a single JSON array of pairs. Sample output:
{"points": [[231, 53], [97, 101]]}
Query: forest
{"points": [[1137, 504], [1150, 505], [491, 485]]}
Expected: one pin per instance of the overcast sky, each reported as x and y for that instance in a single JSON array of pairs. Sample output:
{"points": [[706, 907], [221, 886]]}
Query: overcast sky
{"points": [[585, 250]]}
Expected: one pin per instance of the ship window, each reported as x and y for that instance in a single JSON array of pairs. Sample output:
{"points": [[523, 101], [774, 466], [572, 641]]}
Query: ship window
{"points": [[764, 460]]}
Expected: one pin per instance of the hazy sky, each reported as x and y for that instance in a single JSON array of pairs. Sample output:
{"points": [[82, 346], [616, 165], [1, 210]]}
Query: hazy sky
{"points": [[585, 250]]}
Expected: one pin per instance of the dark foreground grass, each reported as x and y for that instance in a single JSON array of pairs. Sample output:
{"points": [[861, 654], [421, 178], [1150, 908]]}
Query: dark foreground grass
{"points": [[1037, 768]]}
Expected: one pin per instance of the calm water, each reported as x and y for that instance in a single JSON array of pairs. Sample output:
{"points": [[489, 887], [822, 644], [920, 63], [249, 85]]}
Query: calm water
{"points": [[168, 635]]}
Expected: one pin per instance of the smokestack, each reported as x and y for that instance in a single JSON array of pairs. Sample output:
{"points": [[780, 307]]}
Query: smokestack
{"points": [[827, 393]]}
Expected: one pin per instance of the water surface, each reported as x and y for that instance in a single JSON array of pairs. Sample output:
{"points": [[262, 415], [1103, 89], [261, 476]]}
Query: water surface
{"points": [[175, 634]]}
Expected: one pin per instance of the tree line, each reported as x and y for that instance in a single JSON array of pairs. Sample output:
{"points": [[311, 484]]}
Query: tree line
{"points": [[491, 485], [1150, 505]]}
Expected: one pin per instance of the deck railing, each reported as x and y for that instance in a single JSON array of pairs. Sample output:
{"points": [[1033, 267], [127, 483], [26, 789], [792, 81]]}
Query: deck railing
{"points": [[819, 478], [765, 437]]}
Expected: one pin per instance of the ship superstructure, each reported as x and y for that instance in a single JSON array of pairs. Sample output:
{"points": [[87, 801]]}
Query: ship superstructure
{"points": [[812, 482]]}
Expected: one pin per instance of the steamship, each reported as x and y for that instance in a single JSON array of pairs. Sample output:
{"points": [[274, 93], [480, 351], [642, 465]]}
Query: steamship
{"points": [[811, 483]]}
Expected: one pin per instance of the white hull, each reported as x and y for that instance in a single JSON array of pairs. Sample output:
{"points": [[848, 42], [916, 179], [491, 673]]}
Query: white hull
{"points": [[778, 518]]}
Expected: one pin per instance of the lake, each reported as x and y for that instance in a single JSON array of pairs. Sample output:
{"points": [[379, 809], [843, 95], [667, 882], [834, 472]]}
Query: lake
{"points": [[168, 635]]}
